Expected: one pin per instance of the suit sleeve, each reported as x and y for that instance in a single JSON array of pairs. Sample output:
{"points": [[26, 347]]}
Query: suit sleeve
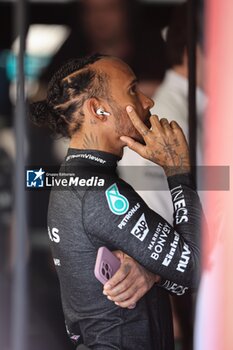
{"points": [[119, 218]]}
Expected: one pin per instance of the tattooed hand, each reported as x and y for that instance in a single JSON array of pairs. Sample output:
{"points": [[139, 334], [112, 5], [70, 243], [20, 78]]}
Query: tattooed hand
{"points": [[165, 143], [129, 283]]}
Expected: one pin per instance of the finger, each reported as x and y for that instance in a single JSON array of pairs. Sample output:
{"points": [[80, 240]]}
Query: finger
{"points": [[128, 288], [128, 303], [123, 291], [119, 254], [177, 129], [174, 125], [164, 123], [154, 120], [119, 276], [137, 122], [134, 145], [122, 286], [136, 296]]}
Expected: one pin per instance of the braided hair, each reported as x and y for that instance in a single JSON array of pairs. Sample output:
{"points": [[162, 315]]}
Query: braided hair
{"points": [[69, 87]]}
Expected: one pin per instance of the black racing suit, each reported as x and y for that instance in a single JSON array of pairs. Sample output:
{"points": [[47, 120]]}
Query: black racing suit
{"points": [[83, 218]]}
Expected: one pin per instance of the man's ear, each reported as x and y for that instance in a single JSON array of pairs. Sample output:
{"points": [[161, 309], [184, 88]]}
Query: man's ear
{"points": [[96, 109]]}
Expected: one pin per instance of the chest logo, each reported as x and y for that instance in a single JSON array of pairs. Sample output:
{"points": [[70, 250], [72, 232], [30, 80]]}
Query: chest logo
{"points": [[117, 203]]}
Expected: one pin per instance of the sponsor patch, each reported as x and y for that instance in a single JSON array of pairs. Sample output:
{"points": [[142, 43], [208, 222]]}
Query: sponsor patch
{"points": [[173, 246], [141, 229], [128, 216], [181, 212], [158, 240], [118, 204], [185, 257], [174, 287]]}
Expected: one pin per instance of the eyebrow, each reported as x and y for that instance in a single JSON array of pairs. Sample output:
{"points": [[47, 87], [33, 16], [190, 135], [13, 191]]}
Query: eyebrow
{"points": [[133, 82]]}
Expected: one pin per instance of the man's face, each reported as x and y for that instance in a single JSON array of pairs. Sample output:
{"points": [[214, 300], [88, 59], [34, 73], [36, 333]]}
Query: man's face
{"points": [[124, 91]]}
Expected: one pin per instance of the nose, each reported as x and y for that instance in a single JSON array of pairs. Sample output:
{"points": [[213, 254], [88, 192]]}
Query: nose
{"points": [[147, 102]]}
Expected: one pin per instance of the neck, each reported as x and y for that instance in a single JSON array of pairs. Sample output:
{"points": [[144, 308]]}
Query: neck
{"points": [[94, 141]]}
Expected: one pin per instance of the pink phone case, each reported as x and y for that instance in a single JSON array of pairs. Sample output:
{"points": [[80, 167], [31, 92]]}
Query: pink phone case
{"points": [[106, 265]]}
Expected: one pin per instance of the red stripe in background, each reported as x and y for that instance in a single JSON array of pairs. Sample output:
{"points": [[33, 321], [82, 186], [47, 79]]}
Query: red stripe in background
{"points": [[214, 317]]}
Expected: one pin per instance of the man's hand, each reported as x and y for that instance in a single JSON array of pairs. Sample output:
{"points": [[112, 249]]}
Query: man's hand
{"points": [[165, 143], [129, 283]]}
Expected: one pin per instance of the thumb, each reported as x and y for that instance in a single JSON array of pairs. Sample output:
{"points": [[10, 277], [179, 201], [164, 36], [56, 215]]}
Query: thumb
{"points": [[119, 254]]}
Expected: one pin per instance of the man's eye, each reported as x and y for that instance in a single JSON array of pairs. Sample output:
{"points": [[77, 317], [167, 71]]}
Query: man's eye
{"points": [[133, 90]]}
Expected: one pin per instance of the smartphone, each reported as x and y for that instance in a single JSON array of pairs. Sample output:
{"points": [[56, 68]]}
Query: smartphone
{"points": [[106, 265]]}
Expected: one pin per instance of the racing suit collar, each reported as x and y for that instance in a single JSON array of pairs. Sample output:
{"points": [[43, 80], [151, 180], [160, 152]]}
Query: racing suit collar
{"points": [[93, 156]]}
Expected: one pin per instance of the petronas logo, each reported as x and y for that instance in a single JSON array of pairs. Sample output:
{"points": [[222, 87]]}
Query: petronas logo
{"points": [[117, 203]]}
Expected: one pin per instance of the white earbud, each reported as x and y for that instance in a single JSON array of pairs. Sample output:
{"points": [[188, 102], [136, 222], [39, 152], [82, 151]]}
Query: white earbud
{"points": [[102, 112]]}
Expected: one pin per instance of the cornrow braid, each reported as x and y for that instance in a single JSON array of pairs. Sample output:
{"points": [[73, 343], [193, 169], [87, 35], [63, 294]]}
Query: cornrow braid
{"points": [[74, 82]]}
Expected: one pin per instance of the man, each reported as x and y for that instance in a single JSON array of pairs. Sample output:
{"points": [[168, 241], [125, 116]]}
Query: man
{"points": [[87, 101]]}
